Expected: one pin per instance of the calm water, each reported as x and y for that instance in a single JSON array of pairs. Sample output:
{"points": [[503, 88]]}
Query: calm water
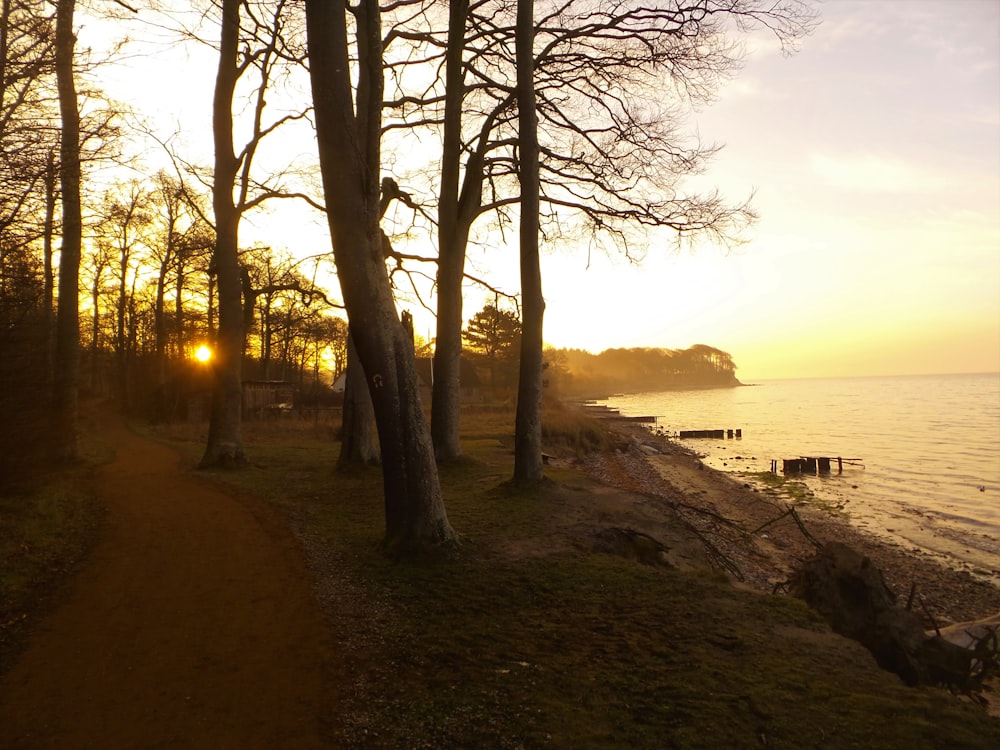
{"points": [[930, 447]]}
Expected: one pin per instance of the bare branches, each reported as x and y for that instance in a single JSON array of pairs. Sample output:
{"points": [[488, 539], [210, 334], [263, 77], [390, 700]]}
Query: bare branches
{"points": [[612, 81]]}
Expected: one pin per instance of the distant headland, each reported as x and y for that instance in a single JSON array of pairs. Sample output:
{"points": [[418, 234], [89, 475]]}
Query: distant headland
{"points": [[576, 372]]}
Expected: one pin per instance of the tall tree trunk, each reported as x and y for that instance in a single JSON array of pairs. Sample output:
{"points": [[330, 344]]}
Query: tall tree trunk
{"points": [[446, 397], [67, 347], [211, 316], [49, 288], [528, 422], [120, 342], [349, 161], [161, 411], [225, 438], [95, 329], [358, 434], [179, 341]]}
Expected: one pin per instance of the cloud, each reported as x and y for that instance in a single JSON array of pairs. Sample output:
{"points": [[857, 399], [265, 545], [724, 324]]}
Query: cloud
{"points": [[875, 173]]}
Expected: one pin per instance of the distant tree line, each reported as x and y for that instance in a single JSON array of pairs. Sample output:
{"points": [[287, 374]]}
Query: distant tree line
{"points": [[580, 373], [492, 337]]}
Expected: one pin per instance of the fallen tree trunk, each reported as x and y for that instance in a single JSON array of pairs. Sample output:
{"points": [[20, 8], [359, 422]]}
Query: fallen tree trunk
{"points": [[850, 592]]}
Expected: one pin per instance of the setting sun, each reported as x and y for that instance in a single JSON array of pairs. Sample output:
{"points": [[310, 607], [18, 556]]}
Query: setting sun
{"points": [[203, 354]]}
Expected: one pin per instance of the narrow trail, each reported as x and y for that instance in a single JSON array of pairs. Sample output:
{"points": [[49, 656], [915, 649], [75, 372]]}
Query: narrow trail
{"points": [[192, 625]]}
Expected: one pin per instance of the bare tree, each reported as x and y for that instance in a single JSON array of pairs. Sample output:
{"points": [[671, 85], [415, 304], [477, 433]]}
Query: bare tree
{"points": [[29, 132], [121, 235], [180, 234], [270, 283], [259, 46], [528, 423], [28, 136], [225, 438], [94, 272], [67, 342], [454, 225], [348, 136], [610, 80]]}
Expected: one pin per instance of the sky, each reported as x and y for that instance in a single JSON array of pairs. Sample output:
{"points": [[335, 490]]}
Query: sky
{"points": [[874, 156]]}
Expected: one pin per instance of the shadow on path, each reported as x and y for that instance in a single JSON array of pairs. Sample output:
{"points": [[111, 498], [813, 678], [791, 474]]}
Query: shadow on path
{"points": [[192, 625]]}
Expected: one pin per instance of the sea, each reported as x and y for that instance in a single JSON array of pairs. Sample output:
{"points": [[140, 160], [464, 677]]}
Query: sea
{"points": [[924, 450]]}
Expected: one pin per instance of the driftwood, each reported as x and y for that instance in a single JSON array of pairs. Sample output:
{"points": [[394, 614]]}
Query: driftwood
{"points": [[850, 592], [977, 658], [790, 512]]}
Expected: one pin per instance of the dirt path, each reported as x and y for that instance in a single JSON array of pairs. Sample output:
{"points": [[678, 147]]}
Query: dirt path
{"points": [[192, 625]]}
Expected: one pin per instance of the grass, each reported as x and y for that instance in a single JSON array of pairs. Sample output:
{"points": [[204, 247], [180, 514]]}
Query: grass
{"points": [[46, 529], [570, 649], [568, 429], [514, 642]]}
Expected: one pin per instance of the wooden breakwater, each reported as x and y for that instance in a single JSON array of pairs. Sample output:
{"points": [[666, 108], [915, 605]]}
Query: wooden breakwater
{"points": [[815, 465], [603, 411], [606, 412], [717, 434]]}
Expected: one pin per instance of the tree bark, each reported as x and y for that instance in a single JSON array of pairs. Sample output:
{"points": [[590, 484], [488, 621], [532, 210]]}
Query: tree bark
{"points": [[67, 345], [528, 422], [358, 434], [48, 229], [453, 237], [225, 437], [349, 161]]}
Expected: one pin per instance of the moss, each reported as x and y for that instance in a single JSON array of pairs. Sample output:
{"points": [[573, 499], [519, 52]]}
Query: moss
{"points": [[795, 490]]}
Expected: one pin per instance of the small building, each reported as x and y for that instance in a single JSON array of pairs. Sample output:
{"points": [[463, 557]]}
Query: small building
{"points": [[261, 397]]}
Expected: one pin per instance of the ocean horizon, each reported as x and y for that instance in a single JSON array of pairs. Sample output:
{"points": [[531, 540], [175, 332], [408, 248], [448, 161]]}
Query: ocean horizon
{"points": [[927, 447]]}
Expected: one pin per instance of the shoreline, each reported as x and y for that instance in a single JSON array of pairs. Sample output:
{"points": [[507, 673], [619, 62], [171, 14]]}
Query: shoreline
{"points": [[766, 544], [928, 477]]}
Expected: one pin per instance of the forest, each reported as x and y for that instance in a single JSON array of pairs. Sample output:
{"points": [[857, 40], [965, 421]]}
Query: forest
{"points": [[123, 251]]}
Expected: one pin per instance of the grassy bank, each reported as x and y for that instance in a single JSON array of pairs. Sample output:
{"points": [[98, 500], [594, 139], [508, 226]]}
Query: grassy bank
{"points": [[517, 641], [526, 635]]}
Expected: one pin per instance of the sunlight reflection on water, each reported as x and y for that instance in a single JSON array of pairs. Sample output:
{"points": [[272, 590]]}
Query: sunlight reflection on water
{"points": [[930, 447]]}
